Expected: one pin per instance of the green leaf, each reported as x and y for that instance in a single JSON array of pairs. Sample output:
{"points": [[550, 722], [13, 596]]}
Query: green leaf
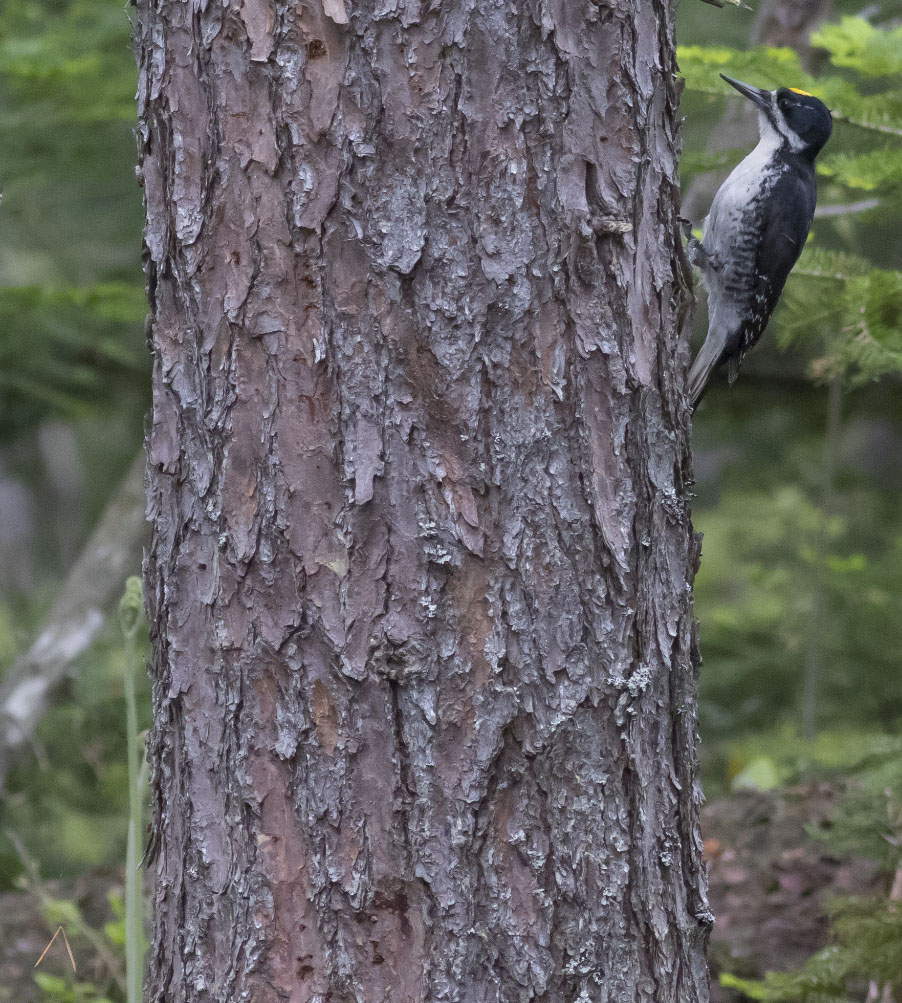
{"points": [[753, 988], [57, 990], [877, 170], [698, 162], [61, 912], [760, 775], [780, 67], [837, 266], [856, 44], [64, 350]]}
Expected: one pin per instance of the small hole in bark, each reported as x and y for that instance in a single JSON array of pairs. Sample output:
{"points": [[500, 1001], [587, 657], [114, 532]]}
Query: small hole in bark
{"points": [[316, 48]]}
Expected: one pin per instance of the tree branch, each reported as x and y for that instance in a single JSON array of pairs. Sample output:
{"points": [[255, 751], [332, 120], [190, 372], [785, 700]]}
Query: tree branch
{"points": [[846, 208], [721, 3], [94, 583]]}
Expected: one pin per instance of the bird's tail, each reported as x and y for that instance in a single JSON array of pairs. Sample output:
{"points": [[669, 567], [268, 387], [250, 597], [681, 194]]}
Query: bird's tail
{"points": [[705, 363]]}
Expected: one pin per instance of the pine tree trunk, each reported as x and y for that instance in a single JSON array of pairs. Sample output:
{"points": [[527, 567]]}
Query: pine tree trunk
{"points": [[424, 684]]}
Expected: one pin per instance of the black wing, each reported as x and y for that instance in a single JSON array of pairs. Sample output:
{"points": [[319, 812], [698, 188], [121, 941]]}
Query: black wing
{"points": [[786, 220]]}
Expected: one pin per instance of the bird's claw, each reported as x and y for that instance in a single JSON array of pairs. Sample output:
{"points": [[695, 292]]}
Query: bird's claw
{"points": [[697, 253]]}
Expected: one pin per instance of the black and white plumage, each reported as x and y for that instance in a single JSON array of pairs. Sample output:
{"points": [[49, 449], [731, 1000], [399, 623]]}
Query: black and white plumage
{"points": [[757, 227]]}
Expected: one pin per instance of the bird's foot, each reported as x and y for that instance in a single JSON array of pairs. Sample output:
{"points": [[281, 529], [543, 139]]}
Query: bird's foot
{"points": [[696, 250], [701, 257]]}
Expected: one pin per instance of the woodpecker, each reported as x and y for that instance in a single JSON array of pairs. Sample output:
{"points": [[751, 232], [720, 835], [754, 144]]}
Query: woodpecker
{"points": [[757, 227]]}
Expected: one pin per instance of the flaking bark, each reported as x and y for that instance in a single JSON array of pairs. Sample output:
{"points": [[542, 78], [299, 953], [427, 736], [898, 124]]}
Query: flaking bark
{"points": [[420, 575]]}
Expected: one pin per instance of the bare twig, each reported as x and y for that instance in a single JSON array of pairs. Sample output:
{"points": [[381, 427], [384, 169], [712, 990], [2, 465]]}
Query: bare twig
{"points": [[734, 3], [59, 930], [846, 208], [37, 888]]}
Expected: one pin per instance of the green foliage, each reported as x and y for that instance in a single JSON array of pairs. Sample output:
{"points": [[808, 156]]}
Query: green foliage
{"points": [[880, 112], [866, 932], [766, 548], [73, 802], [59, 990], [802, 570], [878, 170], [852, 310], [65, 350], [760, 774], [822, 982], [68, 926], [132, 622], [115, 930], [131, 610], [71, 347], [72, 304], [869, 822], [698, 161], [75, 55], [8, 640], [856, 44]]}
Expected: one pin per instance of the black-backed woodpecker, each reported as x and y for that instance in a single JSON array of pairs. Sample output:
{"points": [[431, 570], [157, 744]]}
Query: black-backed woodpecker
{"points": [[757, 227]]}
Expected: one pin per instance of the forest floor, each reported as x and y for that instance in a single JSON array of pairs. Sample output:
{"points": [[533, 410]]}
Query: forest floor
{"points": [[24, 934], [769, 880]]}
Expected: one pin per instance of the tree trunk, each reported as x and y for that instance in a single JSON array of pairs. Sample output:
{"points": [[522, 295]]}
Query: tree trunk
{"points": [[419, 583]]}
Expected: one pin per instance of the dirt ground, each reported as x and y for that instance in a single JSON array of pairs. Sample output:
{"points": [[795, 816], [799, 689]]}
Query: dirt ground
{"points": [[769, 879]]}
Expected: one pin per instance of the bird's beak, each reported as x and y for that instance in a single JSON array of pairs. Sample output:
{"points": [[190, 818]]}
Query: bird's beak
{"points": [[754, 94]]}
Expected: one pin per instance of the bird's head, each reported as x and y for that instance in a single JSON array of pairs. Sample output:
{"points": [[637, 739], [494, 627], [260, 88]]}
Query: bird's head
{"points": [[802, 121]]}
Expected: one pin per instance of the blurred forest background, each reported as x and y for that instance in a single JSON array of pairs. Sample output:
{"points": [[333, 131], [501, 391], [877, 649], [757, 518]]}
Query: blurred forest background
{"points": [[798, 483]]}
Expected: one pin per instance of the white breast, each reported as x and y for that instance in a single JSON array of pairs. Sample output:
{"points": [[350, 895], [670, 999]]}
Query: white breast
{"points": [[741, 186], [726, 232]]}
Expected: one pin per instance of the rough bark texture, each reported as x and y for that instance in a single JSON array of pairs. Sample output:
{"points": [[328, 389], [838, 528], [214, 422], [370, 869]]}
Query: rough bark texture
{"points": [[420, 573]]}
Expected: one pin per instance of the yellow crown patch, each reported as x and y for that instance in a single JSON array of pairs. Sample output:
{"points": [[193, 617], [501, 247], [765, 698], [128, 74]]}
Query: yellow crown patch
{"points": [[805, 94]]}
